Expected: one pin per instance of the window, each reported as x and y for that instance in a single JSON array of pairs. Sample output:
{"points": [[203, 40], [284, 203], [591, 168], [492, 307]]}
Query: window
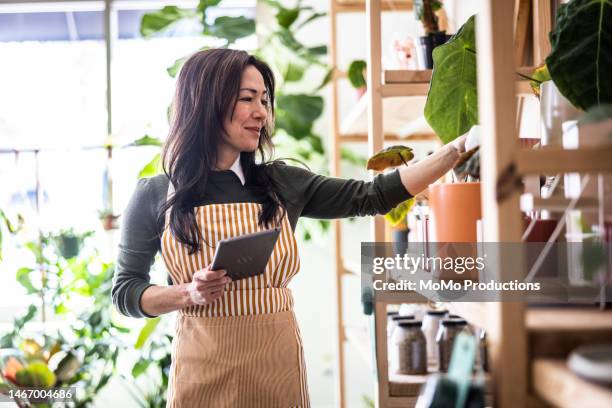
{"points": [[54, 109]]}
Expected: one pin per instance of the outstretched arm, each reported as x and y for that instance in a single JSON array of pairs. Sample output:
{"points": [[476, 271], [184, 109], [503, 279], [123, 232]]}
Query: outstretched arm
{"points": [[416, 177]]}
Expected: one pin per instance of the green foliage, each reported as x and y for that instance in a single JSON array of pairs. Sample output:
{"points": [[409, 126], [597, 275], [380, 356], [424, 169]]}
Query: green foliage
{"points": [[581, 58], [10, 226], [147, 140], [399, 213], [160, 20], [152, 168], [146, 331], [36, 374], [452, 101], [355, 73], [231, 28]]}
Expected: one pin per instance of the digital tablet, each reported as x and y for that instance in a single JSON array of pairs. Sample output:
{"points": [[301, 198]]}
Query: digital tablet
{"points": [[245, 255]]}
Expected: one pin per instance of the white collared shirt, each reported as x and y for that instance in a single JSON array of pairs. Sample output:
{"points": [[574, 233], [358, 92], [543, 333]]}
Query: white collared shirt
{"points": [[237, 169]]}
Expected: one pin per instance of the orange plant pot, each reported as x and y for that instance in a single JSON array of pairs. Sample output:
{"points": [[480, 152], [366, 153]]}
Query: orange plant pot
{"points": [[455, 208]]}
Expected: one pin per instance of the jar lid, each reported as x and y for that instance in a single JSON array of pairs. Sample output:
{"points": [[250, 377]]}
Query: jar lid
{"points": [[454, 322], [437, 312], [404, 317], [453, 316], [392, 314], [409, 323]]}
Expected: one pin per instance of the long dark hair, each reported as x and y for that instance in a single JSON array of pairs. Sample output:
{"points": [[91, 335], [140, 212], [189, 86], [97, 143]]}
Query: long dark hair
{"points": [[207, 89]]}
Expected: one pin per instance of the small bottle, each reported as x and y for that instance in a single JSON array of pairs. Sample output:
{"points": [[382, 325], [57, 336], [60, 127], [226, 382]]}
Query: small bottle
{"points": [[411, 346], [449, 329], [431, 324], [392, 325]]}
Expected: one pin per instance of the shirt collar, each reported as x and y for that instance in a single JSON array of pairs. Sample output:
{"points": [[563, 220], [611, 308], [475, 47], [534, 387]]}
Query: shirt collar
{"points": [[237, 169]]}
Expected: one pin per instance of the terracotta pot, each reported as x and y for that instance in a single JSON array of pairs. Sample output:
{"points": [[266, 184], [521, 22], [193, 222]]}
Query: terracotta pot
{"points": [[455, 208]]}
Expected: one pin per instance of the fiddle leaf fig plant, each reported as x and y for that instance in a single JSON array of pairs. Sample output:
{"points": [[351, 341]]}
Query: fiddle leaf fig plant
{"points": [[580, 61], [452, 101]]}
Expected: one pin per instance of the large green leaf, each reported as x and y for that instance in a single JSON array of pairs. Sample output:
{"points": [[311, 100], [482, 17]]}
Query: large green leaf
{"points": [[452, 102], [296, 113], [159, 20], [231, 28], [580, 62]]}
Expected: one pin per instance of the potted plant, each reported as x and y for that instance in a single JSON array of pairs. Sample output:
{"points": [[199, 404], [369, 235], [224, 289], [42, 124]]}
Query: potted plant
{"points": [[425, 11], [69, 243]]}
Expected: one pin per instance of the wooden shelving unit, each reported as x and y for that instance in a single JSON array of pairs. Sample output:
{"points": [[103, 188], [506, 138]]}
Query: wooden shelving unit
{"points": [[404, 124], [527, 346]]}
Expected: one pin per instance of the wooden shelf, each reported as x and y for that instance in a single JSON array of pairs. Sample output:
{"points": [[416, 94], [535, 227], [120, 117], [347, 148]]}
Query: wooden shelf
{"points": [[401, 385], [356, 6], [556, 384], [555, 333], [551, 160]]}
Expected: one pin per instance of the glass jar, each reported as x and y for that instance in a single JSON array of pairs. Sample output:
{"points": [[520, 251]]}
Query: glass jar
{"points": [[391, 327], [431, 324], [411, 348], [449, 329]]}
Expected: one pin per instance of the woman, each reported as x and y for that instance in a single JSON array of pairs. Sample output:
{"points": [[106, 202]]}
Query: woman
{"points": [[237, 343]]}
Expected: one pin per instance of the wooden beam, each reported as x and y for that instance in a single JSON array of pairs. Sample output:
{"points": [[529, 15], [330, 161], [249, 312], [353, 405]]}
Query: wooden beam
{"points": [[522, 13], [334, 169], [356, 6], [501, 220], [542, 24], [551, 160]]}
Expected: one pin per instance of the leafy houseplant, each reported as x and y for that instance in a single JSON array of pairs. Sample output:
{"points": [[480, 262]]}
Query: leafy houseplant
{"points": [[425, 11]]}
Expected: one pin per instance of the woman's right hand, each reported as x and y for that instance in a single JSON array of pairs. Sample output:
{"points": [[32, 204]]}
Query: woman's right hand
{"points": [[207, 285]]}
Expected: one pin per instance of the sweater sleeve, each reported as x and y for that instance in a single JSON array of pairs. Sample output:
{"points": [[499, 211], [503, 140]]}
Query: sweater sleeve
{"points": [[138, 246], [329, 197]]}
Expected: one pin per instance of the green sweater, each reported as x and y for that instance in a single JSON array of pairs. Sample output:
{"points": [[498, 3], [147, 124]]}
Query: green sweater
{"points": [[306, 195]]}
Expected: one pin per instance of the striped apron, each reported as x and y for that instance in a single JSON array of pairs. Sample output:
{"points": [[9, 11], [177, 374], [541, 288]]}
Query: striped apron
{"points": [[244, 349]]}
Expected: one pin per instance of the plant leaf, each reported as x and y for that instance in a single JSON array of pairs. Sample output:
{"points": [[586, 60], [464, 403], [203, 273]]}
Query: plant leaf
{"points": [[152, 168], [452, 101], [310, 19], [147, 140], [204, 4], [580, 62], [286, 17], [35, 374], [399, 213], [296, 113], [157, 21], [231, 28], [539, 75], [146, 331], [390, 157], [355, 73], [23, 277], [326, 79]]}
